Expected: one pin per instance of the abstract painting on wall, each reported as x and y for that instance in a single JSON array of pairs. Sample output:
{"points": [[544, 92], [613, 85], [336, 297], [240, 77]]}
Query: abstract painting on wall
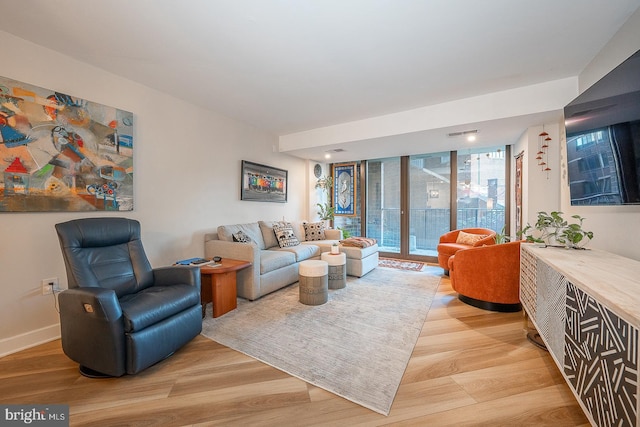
{"points": [[60, 153]]}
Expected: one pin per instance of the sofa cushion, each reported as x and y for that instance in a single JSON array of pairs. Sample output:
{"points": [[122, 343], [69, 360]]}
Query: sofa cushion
{"points": [[226, 232], [268, 235], [314, 231], [284, 235], [303, 252], [298, 229], [324, 245], [271, 260]]}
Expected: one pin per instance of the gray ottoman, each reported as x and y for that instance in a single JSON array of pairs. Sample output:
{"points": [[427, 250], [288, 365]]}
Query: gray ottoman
{"points": [[313, 282], [337, 269]]}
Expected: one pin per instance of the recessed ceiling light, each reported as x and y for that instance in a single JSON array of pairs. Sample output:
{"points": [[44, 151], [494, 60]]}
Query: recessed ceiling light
{"points": [[327, 156], [471, 138]]}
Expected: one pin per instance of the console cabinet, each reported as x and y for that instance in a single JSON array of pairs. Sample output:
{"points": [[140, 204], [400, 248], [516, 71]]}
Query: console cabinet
{"points": [[585, 305]]}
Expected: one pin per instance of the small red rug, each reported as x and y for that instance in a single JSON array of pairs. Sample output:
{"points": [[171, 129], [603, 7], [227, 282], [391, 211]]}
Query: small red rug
{"points": [[401, 264]]}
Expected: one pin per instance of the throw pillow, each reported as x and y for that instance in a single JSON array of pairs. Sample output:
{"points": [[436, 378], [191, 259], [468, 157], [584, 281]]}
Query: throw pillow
{"points": [[313, 231], [241, 237], [468, 238], [358, 242], [285, 236]]}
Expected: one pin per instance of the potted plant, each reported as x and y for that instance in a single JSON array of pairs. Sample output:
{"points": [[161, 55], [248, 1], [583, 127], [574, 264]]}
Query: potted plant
{"points": [[325, 210], [502, 237], [573, 236], [552, 228], [345, 233]]}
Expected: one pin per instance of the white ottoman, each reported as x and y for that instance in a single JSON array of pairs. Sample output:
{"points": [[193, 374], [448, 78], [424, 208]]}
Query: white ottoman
{"points": [[337, 269], [313, 282]]}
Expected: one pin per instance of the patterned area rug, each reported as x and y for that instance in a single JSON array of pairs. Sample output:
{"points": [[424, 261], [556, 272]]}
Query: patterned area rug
{"points": [[357, 345], [401, 264]]}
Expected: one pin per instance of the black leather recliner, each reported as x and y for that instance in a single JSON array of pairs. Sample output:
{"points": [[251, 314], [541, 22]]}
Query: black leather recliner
{"points": [[120, 316]]}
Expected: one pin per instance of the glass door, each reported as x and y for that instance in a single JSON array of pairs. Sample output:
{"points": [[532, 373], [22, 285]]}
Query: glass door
{"points": [[409, 200], [429, 201], [481, 188], [383, 203]]}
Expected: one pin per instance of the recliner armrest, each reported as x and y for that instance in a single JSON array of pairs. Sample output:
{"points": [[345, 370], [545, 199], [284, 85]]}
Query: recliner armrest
{"points": [[98, 303], [92, 329], [172, 275]]}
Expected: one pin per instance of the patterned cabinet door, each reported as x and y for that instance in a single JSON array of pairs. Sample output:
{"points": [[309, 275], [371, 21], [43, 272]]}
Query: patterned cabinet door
{"points": [[528, 263], [542, 293], [601, 360], [550, 301]]}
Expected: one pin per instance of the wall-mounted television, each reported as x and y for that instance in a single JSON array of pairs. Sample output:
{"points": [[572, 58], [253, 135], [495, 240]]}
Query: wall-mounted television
{"points": [[603, 139]]}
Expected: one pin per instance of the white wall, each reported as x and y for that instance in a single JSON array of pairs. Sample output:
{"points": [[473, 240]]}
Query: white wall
{"points": [[543, 187], [315, 195], [187, 182], [616, 229], [541, 190]]}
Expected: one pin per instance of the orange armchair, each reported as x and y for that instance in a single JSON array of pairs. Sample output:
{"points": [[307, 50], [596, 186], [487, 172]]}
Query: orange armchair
{"points": [[448, 244], [488, 277]]}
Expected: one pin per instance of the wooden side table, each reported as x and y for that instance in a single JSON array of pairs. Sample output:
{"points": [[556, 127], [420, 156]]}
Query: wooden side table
{"points": [[218, 286]]}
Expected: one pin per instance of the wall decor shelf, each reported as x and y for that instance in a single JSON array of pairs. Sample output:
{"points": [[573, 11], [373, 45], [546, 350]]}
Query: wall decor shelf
{"points": [[585, 305]]}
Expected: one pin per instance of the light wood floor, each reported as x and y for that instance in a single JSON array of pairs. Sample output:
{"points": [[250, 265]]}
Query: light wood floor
{"points": [[469, 367]]}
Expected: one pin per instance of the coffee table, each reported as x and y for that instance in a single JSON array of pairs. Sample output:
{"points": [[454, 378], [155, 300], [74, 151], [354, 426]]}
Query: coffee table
{"points": [[218, 285]]}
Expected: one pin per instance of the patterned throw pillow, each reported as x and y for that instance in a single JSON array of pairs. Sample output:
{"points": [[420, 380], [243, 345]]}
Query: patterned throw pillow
{"points": [[241, 237], [358, 242], [284, 235], [313, 231], [468, 238]]}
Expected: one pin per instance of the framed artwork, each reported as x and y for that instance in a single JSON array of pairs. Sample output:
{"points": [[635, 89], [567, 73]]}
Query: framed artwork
{"points": [[518, 190], [262, 183], [344, 189], [60, 153]]}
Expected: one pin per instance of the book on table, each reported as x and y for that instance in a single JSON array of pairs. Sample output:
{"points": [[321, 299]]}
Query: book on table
{"points": [[198, 262]]}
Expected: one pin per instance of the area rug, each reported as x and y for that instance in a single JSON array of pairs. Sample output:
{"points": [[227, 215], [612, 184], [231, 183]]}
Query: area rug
{"points": [[357, 345], [400, 264]]}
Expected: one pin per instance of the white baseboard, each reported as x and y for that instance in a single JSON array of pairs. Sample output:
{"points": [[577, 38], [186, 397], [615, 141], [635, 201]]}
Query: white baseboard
{"points": [[29, 339]]}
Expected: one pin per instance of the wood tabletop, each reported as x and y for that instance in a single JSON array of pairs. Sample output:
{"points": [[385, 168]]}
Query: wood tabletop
{"points": [[609, 278], [226, 265]]}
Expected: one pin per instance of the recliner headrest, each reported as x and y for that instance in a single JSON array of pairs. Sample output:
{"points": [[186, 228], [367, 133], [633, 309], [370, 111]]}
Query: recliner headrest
{"points": [[98, 232]]}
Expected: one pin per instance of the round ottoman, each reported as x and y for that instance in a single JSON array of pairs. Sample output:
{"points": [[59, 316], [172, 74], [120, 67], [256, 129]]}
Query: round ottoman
{"points": [[313, 282], [337, 269]]}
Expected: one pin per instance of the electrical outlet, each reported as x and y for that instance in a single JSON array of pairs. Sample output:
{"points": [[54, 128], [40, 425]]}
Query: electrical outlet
{"points": [[50, 285]]}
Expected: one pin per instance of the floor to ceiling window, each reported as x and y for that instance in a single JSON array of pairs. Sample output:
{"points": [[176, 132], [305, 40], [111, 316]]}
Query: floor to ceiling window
{"points": [[481, 188], [429, 201], [383, 203], [408, 203]]}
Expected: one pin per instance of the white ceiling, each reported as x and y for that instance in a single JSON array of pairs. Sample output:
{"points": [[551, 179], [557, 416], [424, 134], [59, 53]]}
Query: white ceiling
{"points": [[292, 65]]}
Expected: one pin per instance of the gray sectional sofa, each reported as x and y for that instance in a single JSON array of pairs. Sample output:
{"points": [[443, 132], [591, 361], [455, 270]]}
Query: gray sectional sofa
{"points": [[274, 267]]}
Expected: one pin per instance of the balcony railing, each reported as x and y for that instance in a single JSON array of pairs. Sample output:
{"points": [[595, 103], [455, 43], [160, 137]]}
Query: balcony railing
{"points": [[427, 225]]}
